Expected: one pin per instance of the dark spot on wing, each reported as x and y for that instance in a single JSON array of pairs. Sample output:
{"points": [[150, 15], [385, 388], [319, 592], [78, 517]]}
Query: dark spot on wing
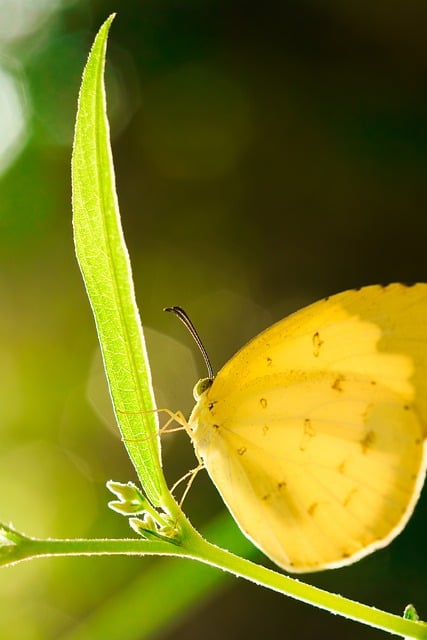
{"points": [[269, 362], [365, 413], [341, 466], [281, 485], [309, 430], [349, 496], [312, 508], [367, 441], [308, 433], [265, 429], [317, 344], [241, 451], [337, 384], [263, 402]]}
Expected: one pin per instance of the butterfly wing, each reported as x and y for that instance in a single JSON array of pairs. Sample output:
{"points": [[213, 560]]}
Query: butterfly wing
{"points": [[314, 432]]}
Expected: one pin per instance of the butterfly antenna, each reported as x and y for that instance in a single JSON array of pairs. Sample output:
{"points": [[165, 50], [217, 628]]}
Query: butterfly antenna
{"points": [[178, 311]]}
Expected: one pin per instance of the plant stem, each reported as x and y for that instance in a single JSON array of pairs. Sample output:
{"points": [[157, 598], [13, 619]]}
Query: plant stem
{"points": [[206, 552], [197, 548], [98, 546]]}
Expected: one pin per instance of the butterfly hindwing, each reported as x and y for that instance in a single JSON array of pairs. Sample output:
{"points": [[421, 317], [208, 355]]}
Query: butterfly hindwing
{"points": [[314, 432]]}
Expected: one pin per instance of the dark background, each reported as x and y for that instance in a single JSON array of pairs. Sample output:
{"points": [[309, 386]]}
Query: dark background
{"points": [[266, 156]]}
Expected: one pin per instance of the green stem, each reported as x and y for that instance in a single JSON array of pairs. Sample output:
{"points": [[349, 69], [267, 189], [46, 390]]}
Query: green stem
{"points": [[33, 547], [195, 547], [210, 554]]}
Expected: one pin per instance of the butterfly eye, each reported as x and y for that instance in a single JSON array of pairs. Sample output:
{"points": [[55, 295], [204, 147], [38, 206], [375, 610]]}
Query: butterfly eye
{"points": [[200, 388]]}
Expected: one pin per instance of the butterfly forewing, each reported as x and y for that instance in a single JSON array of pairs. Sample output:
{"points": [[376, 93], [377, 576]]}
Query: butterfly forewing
{"points": [[314, 432]]}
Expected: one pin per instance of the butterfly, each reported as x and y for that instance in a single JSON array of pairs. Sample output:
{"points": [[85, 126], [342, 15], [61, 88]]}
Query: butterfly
{"points": [[314, 432]]}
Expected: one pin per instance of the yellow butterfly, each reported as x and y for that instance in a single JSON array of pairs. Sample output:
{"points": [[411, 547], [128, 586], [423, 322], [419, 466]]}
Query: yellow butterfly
{"points": [[314, 432]]}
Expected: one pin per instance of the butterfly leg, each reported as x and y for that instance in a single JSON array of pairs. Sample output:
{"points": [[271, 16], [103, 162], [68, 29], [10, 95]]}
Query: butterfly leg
{"points": [[191, 475]]}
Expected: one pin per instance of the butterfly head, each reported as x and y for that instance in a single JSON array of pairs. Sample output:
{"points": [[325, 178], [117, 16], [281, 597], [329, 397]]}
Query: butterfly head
{"points": [[200, 387]]}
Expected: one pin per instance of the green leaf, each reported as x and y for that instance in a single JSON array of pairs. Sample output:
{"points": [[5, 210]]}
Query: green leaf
{"points": [[105, 266]]}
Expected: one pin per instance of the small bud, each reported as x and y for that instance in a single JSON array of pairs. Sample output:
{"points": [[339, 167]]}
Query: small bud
{"points": [[145, 527], [410, 613], [149, 528], [131, 500]]}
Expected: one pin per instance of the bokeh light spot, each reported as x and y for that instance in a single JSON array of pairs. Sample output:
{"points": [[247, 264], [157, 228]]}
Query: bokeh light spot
{"points": [[21, 17], [13, 118]]}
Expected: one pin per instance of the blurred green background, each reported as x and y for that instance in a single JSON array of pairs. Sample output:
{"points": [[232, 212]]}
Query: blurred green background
{"points": [[266, 156]]}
